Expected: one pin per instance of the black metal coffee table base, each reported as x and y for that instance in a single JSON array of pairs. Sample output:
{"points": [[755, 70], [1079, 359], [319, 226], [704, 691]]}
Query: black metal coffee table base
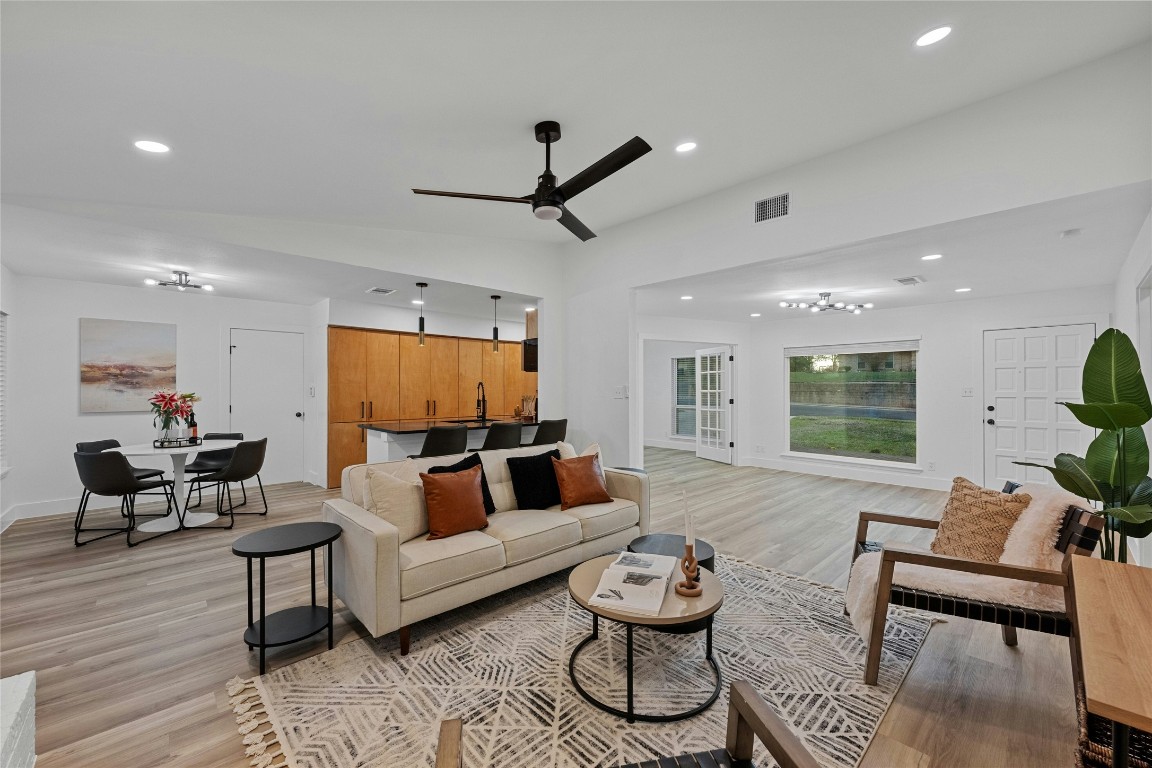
{"points": [[631, 715]]}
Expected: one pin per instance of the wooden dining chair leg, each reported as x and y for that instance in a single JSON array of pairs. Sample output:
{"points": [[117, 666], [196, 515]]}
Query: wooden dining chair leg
{"points": [[879, 620], [1009, 634]]}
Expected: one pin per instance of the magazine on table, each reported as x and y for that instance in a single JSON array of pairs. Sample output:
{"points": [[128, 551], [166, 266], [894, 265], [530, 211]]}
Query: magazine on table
{"points": [[635, 583]]}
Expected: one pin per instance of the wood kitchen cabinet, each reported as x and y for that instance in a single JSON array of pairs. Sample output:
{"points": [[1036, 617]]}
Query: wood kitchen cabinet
{"points": [[513, 376], [471, 373], [382, 381], [429, 377], [493, 379], [363, 381], [346, 446]]}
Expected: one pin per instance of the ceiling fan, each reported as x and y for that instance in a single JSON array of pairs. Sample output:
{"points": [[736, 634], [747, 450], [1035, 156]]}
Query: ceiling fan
{"points": [[548, 200]]}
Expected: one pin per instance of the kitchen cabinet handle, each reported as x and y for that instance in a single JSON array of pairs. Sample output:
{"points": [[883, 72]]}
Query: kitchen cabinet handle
{"points": [[362, 434], [361, 409], [369, 409], [433, 407], [427, 407]]}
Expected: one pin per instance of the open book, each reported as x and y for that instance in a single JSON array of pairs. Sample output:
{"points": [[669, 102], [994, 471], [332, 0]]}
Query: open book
{"points": [[635, 583]]}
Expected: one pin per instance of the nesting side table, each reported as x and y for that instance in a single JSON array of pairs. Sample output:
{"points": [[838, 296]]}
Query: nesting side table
{"points": [[291, 624]]}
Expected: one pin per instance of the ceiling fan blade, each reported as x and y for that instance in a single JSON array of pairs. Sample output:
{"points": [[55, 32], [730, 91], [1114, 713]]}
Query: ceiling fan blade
{"points": [[604, 167], [575, 226], [497, 198]]}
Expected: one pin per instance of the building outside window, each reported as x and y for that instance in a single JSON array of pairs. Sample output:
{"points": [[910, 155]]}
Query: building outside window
{"points": [[684, 397], [856, 401]]}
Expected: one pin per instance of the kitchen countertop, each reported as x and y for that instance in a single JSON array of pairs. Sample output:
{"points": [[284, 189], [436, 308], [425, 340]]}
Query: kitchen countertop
{"points": [[413, 427]]}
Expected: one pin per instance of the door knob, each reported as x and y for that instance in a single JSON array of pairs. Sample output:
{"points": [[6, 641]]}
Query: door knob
{"points": [[991, 421], [991, 407], [299, 414]]}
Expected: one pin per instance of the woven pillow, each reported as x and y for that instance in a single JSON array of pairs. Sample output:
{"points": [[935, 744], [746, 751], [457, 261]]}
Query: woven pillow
{"points": [[397, 501], [976, 521]]}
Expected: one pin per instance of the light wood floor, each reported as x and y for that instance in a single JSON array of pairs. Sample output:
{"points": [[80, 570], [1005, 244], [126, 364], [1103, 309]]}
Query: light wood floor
{"points": [[132, 647]]}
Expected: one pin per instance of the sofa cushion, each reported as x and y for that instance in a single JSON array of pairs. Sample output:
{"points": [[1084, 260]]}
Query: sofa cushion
{"points": [[397, 501], [531, 533], [455, 504], [534, 480], [473, 460], [426, 566], [568, 451], [598, 520], [499, 479], [581, 481], [353, 483]]}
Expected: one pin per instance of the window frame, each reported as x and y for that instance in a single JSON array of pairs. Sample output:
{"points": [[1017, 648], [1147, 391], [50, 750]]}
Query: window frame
{"points": [[674, 432]]}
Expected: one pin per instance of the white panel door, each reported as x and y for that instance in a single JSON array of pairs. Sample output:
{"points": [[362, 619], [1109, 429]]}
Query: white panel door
{"points": [[267, 383], [713, 404], [1027, 371]]}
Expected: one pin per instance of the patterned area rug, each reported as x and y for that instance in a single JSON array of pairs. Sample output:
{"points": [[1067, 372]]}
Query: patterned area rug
{"points": [[502, 666]]}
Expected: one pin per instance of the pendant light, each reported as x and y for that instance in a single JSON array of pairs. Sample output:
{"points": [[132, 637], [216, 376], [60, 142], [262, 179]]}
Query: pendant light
{"points": [[495, 327], [422, 286]]}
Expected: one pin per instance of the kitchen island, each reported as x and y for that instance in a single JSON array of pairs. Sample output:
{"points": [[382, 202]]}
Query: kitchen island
{"points": [[396, 440]]}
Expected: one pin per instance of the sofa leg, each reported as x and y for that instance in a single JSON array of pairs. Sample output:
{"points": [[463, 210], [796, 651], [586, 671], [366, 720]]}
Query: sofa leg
{"points": [[1009, 635], [405, 640]]}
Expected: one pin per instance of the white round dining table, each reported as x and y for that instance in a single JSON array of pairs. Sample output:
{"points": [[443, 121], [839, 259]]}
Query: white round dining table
{"points": [[179, 456]]}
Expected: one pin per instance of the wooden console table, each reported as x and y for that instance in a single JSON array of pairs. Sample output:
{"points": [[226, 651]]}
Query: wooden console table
{"points": [[1113, 609]]}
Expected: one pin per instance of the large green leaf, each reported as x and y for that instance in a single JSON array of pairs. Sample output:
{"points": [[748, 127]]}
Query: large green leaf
{"points": [[1112, 374], [1134, 515], [1104, 415], [1103, 456], [1072, 477], [1142, 493]]}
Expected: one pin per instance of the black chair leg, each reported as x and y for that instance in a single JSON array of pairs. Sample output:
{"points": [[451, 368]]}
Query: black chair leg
{"points": [[169, 489], [79, 524], [262, 496]]}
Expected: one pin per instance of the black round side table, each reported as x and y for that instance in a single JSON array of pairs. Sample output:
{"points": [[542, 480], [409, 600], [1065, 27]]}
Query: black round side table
{"points": [[673, 544], [291, 624]]}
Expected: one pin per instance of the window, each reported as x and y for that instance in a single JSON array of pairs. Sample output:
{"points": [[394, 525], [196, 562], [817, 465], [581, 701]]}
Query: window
{"points": [[855, 400], [684, 397]]}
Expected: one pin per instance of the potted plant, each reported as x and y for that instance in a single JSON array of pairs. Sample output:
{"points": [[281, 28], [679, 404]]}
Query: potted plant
{"points": [[1114, 470]]}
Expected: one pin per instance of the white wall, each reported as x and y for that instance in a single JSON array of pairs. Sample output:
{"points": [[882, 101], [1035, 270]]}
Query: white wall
{"points": [[364, 315], [950, 429], [1084, 130], [45, 422], [657, 392]]}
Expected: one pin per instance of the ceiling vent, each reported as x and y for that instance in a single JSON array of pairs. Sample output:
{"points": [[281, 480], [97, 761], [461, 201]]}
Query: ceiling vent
{"points": [[381, 291], [914, 280], [770, 208]]}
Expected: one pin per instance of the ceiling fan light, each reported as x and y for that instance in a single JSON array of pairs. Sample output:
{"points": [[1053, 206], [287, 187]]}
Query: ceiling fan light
{"points": [[839, 305], [856, 311], [784, 304], [869, 305], [815, 308], [547, 211], [207, 287], [803, 305], [150, 281]]}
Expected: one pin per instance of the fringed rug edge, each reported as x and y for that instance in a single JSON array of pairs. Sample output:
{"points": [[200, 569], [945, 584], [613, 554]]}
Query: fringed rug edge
{"points": [[249, 701]]}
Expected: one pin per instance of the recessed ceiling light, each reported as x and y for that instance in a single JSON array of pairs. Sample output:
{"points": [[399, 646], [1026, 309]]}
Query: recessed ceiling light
{"points": [[755, 314], [687, 146], [151, 146], [417, 301], [934, 36], [685, 298], [932, 257], [963, 290]]}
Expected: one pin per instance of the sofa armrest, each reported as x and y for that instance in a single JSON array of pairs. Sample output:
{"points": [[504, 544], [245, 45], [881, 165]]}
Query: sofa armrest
{"points": [[366, 567], [633, 486]]}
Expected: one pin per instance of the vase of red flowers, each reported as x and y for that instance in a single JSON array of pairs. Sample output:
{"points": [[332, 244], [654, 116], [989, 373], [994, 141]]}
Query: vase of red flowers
{"points": [[169, 409]]}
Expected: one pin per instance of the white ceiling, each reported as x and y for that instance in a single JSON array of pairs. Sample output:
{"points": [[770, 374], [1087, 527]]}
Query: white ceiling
{"points": [[332, 112], [1016, 251]]}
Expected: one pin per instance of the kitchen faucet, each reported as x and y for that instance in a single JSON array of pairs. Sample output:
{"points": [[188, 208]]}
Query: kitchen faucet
{"points": [[481, 402]]}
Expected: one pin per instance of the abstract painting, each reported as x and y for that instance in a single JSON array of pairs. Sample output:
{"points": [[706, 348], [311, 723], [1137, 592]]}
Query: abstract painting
{"points": [[123, 362]]}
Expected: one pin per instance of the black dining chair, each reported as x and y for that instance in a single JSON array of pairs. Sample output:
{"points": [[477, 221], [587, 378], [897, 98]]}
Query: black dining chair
{"points": [[245, 464], [141, 473], [549, 431], [212, 461], [110, 474], [502, 434], [444, 441]]}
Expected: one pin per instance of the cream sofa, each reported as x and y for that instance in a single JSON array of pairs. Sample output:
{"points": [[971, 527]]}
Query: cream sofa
{"points": [[391, 584]]}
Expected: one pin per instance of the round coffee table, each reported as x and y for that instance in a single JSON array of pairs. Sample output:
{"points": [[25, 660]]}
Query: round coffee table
{"points": [[291, 624], [673, 544], [678, 615]]}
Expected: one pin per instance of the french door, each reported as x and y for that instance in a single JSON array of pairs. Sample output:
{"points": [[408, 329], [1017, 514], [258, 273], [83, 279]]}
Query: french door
{"points": [[1027, 371], [714, 404]]}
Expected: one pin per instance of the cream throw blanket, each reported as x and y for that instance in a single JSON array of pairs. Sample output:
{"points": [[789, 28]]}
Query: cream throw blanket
{"points": [[1032, 542]]}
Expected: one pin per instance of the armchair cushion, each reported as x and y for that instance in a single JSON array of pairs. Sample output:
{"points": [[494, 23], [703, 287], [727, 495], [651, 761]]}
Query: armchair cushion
{"points": [[976, 521], [1033, 539]]}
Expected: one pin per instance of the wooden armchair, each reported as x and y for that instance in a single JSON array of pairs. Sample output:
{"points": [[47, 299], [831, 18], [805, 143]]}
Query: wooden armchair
{"points": [[1079, 535]]}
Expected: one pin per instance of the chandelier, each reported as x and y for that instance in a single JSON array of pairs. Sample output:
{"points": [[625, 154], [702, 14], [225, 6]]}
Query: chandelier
{"points": [[825, 303], [181, 281]]}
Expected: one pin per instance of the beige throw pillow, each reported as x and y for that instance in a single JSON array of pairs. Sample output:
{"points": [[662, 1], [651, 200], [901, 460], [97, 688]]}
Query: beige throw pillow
{"points": [[976, 521], [398, 501]]}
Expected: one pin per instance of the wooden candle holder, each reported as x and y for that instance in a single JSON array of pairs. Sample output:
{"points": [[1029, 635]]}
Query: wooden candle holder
{"points": [[690, 587]]}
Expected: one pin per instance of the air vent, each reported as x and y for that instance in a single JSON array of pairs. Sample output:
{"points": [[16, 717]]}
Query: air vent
{"points": [[770, 208], [381, 291], [914, 280]]}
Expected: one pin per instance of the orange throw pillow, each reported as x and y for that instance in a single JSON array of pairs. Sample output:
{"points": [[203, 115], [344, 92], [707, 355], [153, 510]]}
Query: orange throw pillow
{"points": [[455, 503], [580, 481]]}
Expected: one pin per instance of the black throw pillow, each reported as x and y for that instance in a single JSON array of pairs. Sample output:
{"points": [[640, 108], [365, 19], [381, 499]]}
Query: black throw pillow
{"points": [[468, 463], [534, 480]]}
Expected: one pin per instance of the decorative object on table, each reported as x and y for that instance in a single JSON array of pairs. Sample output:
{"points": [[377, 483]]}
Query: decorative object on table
{"points": [[1113, 471], [691, 586], [121, 361], [169, 408], [673, 544], [774, 630]]}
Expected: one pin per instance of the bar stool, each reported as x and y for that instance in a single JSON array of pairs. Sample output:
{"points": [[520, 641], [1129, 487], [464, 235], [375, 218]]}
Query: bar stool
{"points": [[502, 434], [549, 431], [444, 441]]}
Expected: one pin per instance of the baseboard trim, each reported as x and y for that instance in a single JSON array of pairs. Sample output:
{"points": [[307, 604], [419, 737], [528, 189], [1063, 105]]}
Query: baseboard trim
{"points": [[848, 472], [48, 508]]}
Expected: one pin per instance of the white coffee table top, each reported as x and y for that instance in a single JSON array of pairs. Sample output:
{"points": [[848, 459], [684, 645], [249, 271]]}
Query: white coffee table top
{"points": [[676, 609]]}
